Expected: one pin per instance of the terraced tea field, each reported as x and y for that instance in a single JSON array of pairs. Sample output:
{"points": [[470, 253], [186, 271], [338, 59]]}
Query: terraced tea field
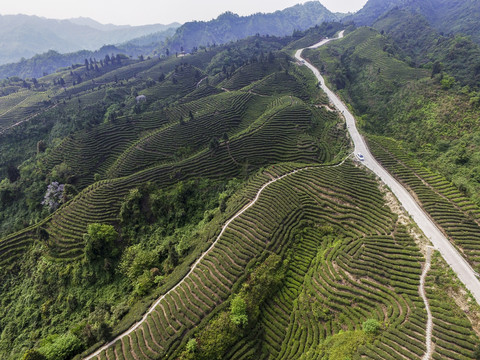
{"points": [[458, 217], [364, 266], [286, 131], [292, 190]]}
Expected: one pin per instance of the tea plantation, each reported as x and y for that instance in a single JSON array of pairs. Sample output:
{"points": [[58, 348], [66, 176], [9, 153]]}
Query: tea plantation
{"points": [[218, 216]]}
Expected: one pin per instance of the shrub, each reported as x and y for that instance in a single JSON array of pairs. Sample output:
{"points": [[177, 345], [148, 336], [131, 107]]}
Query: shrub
{"points": [[238, 311], [61, 347], [33, 355], [99, 242], [371, 327]]}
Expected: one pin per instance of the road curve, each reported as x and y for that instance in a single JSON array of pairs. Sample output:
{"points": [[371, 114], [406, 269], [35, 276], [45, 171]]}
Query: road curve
{"points": [[459, 265]]}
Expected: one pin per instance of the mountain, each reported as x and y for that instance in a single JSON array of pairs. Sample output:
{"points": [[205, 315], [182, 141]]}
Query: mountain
{"points": [[23, 36], [148, 41], [85, 21], [47, 63], [230, 27], [447, 16], [229, 189], [218, 190], [422, 46]]}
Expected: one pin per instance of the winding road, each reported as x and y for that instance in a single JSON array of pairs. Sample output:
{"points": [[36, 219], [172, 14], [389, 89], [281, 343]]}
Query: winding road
{"points": [[450, 254], [457, 262]]}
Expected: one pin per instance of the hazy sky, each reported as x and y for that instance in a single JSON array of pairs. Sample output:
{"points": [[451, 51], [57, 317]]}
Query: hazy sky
{"points": [[139, 12]]}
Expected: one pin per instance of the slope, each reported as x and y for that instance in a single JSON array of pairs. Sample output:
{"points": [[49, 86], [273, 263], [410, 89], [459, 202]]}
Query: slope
{"points": [[24, 36], [230, 135], [230, 27], [457, 17]]}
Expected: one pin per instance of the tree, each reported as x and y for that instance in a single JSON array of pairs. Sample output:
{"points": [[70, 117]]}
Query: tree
{"points": [[271, 57], [103, 331], [214, 144], [238, 311], [33, 354], [62, 347], [172, 254], [12, 173], [437, 68], [41, 147], [100, 242], [447, 82], [223, 206], [167, 52]]}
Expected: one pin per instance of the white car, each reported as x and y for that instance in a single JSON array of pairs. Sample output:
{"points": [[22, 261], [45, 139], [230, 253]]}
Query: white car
{"points": [[360, 157]]}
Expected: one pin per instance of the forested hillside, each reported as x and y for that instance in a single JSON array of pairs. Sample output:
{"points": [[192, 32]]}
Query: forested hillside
{"points": [[230, 27], [447, 16], [71, 42]]}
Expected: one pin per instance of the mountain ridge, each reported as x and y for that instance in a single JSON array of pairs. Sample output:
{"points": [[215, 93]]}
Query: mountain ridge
{"points": [[230, 27], [447, 16], [23, 36]]}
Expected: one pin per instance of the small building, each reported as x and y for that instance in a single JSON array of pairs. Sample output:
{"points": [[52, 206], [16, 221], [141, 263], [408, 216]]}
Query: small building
{"points": [[141, 98]]}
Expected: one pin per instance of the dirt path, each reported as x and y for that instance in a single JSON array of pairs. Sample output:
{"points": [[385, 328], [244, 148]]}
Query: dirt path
{"points": [[193, 267], [3, 130], [423, 294]]}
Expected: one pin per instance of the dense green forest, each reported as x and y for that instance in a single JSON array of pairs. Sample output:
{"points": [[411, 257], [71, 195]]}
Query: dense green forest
{"points": [[446, 16], [217, 189]]}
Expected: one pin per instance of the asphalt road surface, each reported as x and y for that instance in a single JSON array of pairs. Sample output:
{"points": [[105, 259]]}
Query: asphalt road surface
{"points": [[457, 262]]}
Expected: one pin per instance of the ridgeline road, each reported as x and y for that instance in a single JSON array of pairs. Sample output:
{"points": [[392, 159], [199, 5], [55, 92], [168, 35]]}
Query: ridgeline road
{"points": [[459, 265]]}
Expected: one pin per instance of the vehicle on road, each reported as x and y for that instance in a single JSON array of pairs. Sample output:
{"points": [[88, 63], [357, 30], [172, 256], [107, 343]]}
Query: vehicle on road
{"points": [[360, 157]]}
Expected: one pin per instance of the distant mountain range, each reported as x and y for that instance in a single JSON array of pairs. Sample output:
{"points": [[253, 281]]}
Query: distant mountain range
{"points": [[23, 36], [447, 16], [37, 35], [230, 27]]}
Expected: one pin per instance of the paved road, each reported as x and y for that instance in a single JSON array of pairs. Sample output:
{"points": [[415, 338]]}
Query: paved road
{"points": [[464, 271]]}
